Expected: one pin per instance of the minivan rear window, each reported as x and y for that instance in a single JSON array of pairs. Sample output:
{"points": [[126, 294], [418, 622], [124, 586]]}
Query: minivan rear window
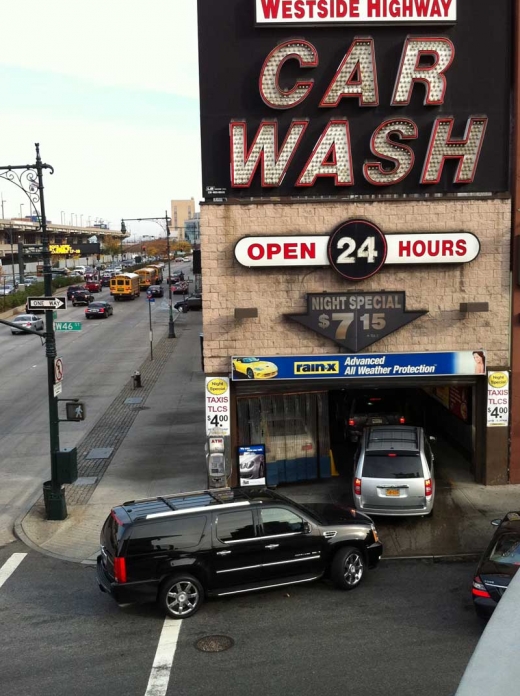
{"points": [[392, 467]]}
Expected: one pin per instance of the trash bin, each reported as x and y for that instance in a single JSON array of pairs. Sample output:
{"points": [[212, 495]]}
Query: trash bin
{"points": [[54, 499]]}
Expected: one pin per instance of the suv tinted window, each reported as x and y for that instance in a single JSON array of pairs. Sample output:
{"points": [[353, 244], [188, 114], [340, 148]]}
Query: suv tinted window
{"points": [[280, 521], [400, 466], [233, 526], [167, 535]]}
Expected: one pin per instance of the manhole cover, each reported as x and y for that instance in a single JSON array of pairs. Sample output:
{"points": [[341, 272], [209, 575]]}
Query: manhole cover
{"points": [[134, 400], [214, 643], [85, 481]]}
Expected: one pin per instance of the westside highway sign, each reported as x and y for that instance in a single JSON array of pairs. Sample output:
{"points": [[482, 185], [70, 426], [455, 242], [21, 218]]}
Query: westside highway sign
{"points": [[67, 326], [46, 303]]}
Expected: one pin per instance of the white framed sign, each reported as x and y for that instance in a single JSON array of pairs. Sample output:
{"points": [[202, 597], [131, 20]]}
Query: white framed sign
{"points": [[217, 407], [402, 249], [498, 399], [323, 12]]}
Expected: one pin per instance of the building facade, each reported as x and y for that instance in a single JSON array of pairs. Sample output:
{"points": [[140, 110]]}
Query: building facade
{"points": [[181, 212], [356, 229]]}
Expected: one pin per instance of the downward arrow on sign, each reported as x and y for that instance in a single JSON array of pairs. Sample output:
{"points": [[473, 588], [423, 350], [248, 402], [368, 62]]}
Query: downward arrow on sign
{"points": [[356, 320]]}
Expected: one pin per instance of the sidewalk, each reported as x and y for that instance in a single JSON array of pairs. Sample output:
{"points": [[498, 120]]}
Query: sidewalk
{"points": [[151, 442], [158, 447]]}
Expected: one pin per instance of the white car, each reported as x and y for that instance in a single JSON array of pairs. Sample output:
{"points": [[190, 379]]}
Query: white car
{"points": [[28, 321], [7, 289], [80, 269]]}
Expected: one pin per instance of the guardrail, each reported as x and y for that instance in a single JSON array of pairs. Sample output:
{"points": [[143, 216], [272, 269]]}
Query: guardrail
{"points": [[494, 667]]}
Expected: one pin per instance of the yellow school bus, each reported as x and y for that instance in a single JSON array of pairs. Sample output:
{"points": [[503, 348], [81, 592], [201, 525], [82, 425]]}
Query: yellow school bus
{"points": [[147, 277], [125, 286], [160, 271]]}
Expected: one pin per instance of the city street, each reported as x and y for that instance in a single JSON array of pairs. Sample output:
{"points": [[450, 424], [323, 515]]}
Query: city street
{"points": [[409, 629], [98, 361]]}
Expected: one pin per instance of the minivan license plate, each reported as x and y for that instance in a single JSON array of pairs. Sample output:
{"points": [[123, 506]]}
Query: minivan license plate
{"points": [[392, 491]]}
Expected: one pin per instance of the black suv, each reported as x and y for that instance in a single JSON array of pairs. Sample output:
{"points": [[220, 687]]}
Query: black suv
{"points": [[82, 297], [180, 548]]}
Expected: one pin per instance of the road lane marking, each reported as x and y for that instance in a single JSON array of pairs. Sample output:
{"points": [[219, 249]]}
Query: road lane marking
{"points": [[163, 661], [10, 566]]}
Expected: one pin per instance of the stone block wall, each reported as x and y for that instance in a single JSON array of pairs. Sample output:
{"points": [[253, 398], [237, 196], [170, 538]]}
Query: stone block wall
{"points": [[279, 291]]}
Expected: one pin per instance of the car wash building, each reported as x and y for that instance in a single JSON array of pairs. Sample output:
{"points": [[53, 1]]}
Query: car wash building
{"points": [[356, 228]]}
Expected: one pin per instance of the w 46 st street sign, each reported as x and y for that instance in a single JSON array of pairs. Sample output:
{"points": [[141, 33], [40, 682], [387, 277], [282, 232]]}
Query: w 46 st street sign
{"points": [[67, 326], [46, 303]]}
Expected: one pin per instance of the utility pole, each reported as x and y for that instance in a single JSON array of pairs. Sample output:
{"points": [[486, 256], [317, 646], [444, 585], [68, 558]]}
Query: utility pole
{"points": [[30, 181], [167, 220], [3, 201]]}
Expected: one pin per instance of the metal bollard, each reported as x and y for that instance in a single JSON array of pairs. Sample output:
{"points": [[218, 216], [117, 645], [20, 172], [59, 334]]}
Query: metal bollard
{"points": [[137, 379]]}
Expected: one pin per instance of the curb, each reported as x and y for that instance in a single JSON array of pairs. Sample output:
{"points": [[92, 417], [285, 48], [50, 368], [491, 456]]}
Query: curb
{"points": [[437, 558]]}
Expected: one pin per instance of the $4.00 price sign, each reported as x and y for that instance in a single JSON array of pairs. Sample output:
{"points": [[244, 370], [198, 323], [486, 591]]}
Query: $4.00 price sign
{"points": [[217, 407]]}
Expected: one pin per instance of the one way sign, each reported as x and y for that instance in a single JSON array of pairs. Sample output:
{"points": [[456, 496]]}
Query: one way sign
{"points": [[46, 303]]}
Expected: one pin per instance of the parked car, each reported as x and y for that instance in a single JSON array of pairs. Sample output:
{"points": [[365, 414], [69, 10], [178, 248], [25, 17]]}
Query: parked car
{"points": [[379, 407], [93, 285], [193, 302], [80, 269], [29, 321], [101, 310], [179, 260], [178, 549], [32, 280], [394, 472], [73, 289], [186, 259], [82, 297], [7, 289], [181, 287], [498, 565], [155, 291]]}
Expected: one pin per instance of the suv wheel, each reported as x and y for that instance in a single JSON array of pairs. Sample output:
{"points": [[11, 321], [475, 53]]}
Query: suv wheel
{"points": [[348, 568], [181, 596]]}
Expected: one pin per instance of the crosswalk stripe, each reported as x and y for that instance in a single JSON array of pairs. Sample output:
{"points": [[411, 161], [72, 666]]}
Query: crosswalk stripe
{"points": [[163, 661], [10, 566]]}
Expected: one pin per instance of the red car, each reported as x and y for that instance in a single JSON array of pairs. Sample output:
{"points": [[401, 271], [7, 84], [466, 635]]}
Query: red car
{"points": [[93, 285]]}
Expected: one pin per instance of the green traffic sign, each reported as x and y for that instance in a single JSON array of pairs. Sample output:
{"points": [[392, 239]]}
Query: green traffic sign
{"points": [[67, 326]]}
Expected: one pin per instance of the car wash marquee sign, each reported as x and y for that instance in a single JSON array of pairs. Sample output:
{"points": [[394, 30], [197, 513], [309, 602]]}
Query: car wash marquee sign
{"points": [[339, 110]]}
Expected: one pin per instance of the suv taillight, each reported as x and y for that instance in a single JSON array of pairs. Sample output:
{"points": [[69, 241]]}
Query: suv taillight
{"points": [[479, 589], [402, 420], [351, 422], [120, 569], [428, 490], [357, 486]]}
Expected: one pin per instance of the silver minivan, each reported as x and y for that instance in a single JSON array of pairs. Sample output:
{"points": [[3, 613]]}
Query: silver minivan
{"points": [[393, 472]]}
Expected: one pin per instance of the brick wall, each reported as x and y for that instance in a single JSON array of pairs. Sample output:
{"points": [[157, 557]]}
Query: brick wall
{"points": [[276, 292]]}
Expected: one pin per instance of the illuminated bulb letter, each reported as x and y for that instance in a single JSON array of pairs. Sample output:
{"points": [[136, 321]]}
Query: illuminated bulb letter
{"points": [[411, 71], [401, 155], [442, 147], [269, 83], [264, 150], [355, 77], [331, 157]]}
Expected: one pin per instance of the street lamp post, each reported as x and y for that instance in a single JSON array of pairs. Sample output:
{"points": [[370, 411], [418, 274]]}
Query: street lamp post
{"points": [[21, 206], [30, 181], [167, 220]]}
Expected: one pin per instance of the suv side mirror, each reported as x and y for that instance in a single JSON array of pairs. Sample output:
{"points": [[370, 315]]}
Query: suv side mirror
{"points": [[496, 523], [307, 528]]}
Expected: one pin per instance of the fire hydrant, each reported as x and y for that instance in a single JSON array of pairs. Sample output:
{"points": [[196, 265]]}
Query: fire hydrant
{"points": [[137, 379]]}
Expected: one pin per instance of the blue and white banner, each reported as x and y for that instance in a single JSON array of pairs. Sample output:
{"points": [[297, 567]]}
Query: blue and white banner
{"points": [[359, 366]]}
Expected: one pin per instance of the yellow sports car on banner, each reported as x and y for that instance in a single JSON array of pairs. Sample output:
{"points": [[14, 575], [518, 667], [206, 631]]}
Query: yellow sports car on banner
{"points": [[254, 368]]}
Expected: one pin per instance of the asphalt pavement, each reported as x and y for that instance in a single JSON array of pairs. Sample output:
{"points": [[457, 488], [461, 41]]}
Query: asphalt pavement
{"points": [[408, 629]]}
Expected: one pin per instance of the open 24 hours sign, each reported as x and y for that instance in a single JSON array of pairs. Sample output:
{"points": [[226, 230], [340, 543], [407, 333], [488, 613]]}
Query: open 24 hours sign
{"points": [[358, 249]]}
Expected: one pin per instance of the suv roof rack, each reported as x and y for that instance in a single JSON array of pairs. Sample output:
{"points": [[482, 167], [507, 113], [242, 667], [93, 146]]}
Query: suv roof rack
{"points": [[393, 437]]}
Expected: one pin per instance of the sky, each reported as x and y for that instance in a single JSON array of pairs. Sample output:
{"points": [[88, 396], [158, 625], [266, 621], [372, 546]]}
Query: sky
{"points": [[109, 89]]}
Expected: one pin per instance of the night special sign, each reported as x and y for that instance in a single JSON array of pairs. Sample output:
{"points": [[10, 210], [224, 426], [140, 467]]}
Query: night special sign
{"points": [[416, 101], [356, 320]]}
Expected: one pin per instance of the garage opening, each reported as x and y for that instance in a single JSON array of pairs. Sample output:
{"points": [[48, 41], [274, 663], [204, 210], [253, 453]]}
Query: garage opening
{"points": [[310, 435]]}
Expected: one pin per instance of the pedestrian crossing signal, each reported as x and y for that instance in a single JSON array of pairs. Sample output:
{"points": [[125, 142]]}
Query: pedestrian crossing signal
{"points": [[75, 411]]}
